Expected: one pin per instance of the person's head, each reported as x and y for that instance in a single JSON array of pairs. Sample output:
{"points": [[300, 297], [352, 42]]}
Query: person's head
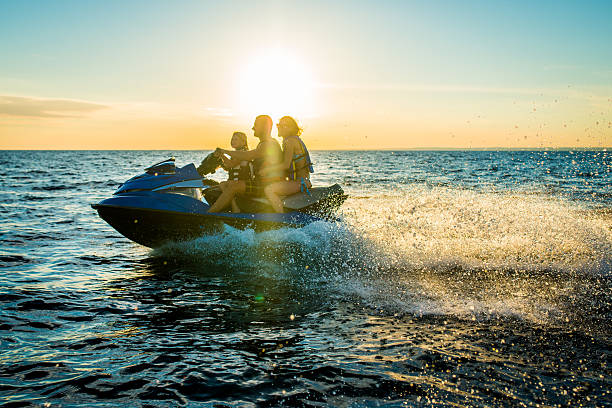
{"points": [[239, 141], [287, 126], [262, 126]]}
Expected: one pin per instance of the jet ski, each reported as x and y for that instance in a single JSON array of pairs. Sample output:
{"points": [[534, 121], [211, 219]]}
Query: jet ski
{"points": [[170, 203]]}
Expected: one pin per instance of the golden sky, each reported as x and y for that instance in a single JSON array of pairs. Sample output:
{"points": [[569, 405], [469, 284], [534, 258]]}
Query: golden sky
{"points": [[356, 75]]}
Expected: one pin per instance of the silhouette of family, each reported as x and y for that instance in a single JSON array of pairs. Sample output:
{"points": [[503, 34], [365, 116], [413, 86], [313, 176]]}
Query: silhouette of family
{"points": [[268, 170]]}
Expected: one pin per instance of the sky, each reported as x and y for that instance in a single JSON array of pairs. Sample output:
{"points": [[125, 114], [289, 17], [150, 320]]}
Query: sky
{"points": [[354, 74]]}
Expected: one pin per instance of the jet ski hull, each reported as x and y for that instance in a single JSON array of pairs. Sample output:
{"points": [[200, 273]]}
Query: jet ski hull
{"points": [[151, 219], [153, 228]]}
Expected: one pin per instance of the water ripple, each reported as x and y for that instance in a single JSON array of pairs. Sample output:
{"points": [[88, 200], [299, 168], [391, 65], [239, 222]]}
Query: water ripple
{"points": [[455, 279]]}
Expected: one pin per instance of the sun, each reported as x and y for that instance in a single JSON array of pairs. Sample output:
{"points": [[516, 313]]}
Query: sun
{"points": [[277, 83]]}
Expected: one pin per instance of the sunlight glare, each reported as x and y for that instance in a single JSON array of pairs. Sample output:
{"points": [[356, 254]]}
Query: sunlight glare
{"points": [[276, 83]]}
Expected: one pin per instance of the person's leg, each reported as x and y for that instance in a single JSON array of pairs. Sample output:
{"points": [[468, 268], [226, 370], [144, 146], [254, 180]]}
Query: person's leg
{"points": [[235, 208], [280, 188], [223, 186], [231, 189]]}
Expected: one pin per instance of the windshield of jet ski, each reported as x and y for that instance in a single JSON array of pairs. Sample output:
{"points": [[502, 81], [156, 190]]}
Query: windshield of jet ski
{"points": [[163, 167]]}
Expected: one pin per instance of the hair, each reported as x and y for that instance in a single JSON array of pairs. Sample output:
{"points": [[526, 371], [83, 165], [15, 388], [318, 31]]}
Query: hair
{"points": [[295, 129], [266, 119], [243, 139]]}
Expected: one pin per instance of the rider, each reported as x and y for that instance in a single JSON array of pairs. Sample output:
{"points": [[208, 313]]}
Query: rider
{"points": [[236, 169], [267, 153], [296, 161]]}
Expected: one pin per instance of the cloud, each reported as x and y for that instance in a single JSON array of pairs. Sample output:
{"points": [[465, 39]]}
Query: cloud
{"points": [[586, 93], [429, 88], [45, 108]]}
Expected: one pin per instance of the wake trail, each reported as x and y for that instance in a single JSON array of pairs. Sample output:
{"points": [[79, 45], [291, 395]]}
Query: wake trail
{"points": [[438, 251]]}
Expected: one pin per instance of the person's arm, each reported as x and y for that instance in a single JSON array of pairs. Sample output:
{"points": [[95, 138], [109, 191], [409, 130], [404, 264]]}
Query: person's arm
{"points": [[241, 156], [229, 163], [289, 147]]}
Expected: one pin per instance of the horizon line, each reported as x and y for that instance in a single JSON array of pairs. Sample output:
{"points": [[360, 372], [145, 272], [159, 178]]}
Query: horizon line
{"points": [[562, 148]]}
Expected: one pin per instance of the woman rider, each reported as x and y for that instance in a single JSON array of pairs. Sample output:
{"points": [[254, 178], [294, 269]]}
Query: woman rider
{"points": [[267, 154], [296, 160], [236, 169]]}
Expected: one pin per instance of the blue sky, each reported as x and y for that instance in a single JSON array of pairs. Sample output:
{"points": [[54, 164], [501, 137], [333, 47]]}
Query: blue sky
{"points": [[381, 55]]}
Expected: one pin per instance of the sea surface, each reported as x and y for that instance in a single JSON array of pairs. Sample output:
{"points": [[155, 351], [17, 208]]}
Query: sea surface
{"points": [[455, 278]]}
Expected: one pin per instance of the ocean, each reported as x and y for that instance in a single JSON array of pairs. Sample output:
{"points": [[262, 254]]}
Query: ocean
{"points": [[453, 278]]}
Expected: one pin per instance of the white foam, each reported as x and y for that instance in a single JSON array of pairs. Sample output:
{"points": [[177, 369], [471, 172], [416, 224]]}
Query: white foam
{"points": [[432, 251]]}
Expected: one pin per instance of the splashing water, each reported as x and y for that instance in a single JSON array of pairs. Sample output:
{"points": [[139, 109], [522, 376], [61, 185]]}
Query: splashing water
{"points": [[438, 251]]}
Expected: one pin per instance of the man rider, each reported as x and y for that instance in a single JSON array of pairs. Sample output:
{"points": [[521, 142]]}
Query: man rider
{"points": [[268, 153]]}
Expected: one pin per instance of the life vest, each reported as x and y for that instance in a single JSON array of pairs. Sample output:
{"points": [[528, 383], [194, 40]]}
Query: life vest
{"points": [[244, 171], [300, 161]]}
